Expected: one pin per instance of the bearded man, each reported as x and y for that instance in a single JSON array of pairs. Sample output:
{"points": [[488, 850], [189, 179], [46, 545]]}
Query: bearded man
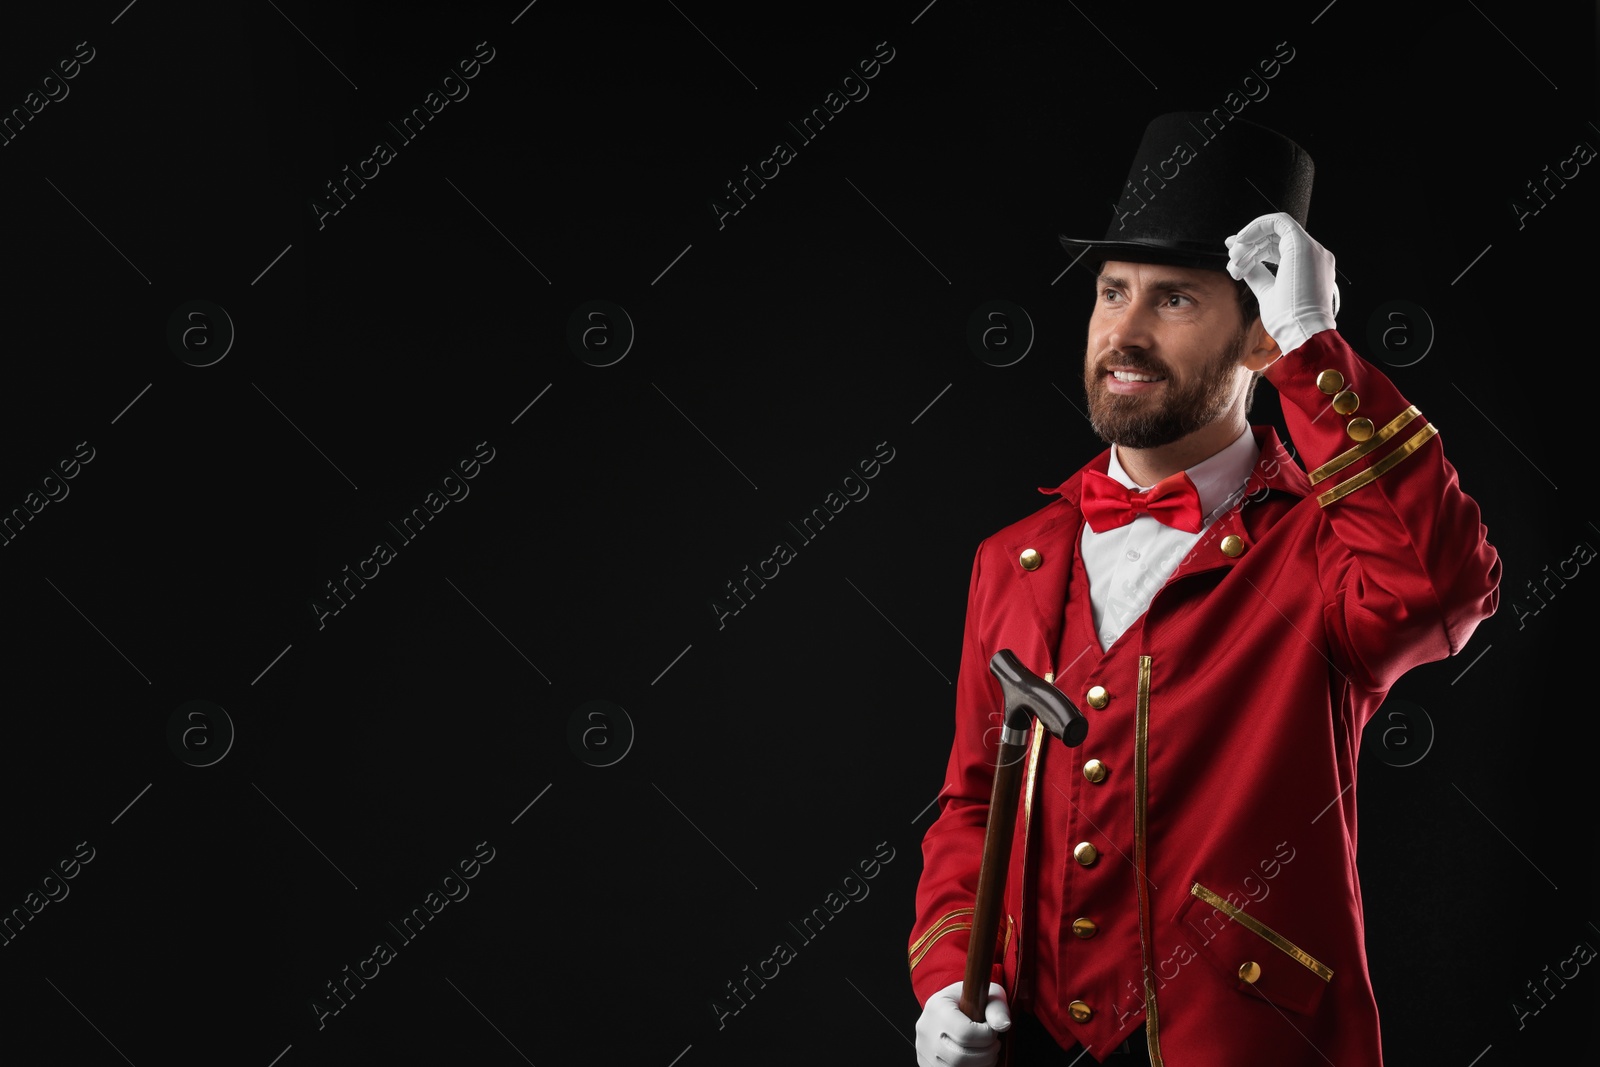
{"points": [[1183, 887]]}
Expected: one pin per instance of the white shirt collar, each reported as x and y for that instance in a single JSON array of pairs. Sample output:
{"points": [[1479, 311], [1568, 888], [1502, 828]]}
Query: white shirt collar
{"points": [[1218, 478]]}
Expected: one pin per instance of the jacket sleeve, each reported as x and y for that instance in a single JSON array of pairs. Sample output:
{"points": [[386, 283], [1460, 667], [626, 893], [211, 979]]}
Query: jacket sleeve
{"points": [[952, 849], [1403, 558]]}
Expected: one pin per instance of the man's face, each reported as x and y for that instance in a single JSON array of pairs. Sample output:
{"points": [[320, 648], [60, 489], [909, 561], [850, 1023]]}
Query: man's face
{"points": [[1163, 352]]}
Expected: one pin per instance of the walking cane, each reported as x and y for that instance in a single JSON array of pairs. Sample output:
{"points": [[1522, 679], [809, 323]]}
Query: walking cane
{"points": [[1025, 693]]}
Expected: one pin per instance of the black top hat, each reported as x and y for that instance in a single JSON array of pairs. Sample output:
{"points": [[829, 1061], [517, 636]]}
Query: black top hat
{"points": [[1195, 181]]}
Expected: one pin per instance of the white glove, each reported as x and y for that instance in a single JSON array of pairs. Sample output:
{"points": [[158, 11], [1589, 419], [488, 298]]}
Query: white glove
{"points": [[947, 1038], [1303, 299]]}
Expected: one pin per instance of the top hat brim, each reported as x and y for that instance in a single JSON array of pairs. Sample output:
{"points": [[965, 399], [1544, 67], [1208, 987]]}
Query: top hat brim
{"points": [[1180, 254]]}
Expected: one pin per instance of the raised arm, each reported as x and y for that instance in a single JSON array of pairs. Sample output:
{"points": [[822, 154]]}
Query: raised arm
{"points": [[1406, 569]]}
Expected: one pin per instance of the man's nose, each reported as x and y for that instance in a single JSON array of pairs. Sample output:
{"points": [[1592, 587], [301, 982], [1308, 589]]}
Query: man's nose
{"points": [[1132, 328]]}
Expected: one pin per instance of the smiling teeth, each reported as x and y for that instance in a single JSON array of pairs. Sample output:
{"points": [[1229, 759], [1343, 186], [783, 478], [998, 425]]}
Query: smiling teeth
{"points": [[1129, 376]]}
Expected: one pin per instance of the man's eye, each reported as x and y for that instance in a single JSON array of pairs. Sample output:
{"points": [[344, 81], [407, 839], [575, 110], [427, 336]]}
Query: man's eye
{"points": [[1176, 296], [1108, 294]]}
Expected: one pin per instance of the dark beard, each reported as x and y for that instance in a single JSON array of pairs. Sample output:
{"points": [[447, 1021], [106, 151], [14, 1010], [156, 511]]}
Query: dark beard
{"points": [[1137, 422]]}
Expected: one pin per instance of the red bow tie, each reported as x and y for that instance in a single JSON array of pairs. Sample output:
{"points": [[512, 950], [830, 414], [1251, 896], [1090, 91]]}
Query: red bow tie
{"points": [[1107, 504]]}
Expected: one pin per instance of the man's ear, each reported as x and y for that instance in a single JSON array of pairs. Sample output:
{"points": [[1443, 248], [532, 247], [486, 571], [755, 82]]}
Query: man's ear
{"points": [[1260, 350]]}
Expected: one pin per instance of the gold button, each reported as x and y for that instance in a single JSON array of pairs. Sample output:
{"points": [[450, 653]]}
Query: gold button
{"points": [[1030, 559], [1346, 402], [1085, 928], [1095, 771], [1249, 971], [1050, 676], [1098, 697], [1232, 546], [1080, 1012], [1085, 853], [1330, 381], [1359, 429]]}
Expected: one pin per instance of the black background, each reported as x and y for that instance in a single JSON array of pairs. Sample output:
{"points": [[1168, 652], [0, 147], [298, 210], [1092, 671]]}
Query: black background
{"points": [[772, 353]]}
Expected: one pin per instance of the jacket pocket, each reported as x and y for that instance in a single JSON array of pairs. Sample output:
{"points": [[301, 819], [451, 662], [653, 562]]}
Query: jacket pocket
{"points": [[1259, 960]]}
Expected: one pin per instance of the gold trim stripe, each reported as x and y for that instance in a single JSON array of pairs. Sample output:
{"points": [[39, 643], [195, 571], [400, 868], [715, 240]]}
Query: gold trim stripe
{"points": [[946, 917], [1152, 1024], [1250, 922], [1029, 781], [1344, 459], [952, 928], [1378, 469]]}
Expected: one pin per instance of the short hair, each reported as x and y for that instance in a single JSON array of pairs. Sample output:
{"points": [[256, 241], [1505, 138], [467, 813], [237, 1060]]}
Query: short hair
{"points": [[1249, 311]]}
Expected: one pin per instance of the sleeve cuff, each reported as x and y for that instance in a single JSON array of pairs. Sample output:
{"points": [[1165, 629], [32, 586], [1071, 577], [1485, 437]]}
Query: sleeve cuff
{"points": [[1348, 420]]}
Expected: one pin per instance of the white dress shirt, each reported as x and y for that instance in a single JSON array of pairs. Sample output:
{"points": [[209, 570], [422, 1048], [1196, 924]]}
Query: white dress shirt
{"points": [[1128, 564]]}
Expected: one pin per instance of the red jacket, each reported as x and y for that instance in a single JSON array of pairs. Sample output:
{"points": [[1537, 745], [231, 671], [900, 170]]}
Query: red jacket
{"points": [[1219, 902]]}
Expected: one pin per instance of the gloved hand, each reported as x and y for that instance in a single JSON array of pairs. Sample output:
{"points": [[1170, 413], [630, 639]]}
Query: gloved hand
{"points": [[947, 1038], [1303, 299]]}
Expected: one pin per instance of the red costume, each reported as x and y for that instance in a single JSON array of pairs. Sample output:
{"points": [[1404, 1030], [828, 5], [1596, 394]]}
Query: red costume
{"points": [[1193, 865]]}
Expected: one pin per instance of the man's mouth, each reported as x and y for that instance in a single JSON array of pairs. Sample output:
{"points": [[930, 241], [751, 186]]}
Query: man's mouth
{"points": [[1122, 381]]}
